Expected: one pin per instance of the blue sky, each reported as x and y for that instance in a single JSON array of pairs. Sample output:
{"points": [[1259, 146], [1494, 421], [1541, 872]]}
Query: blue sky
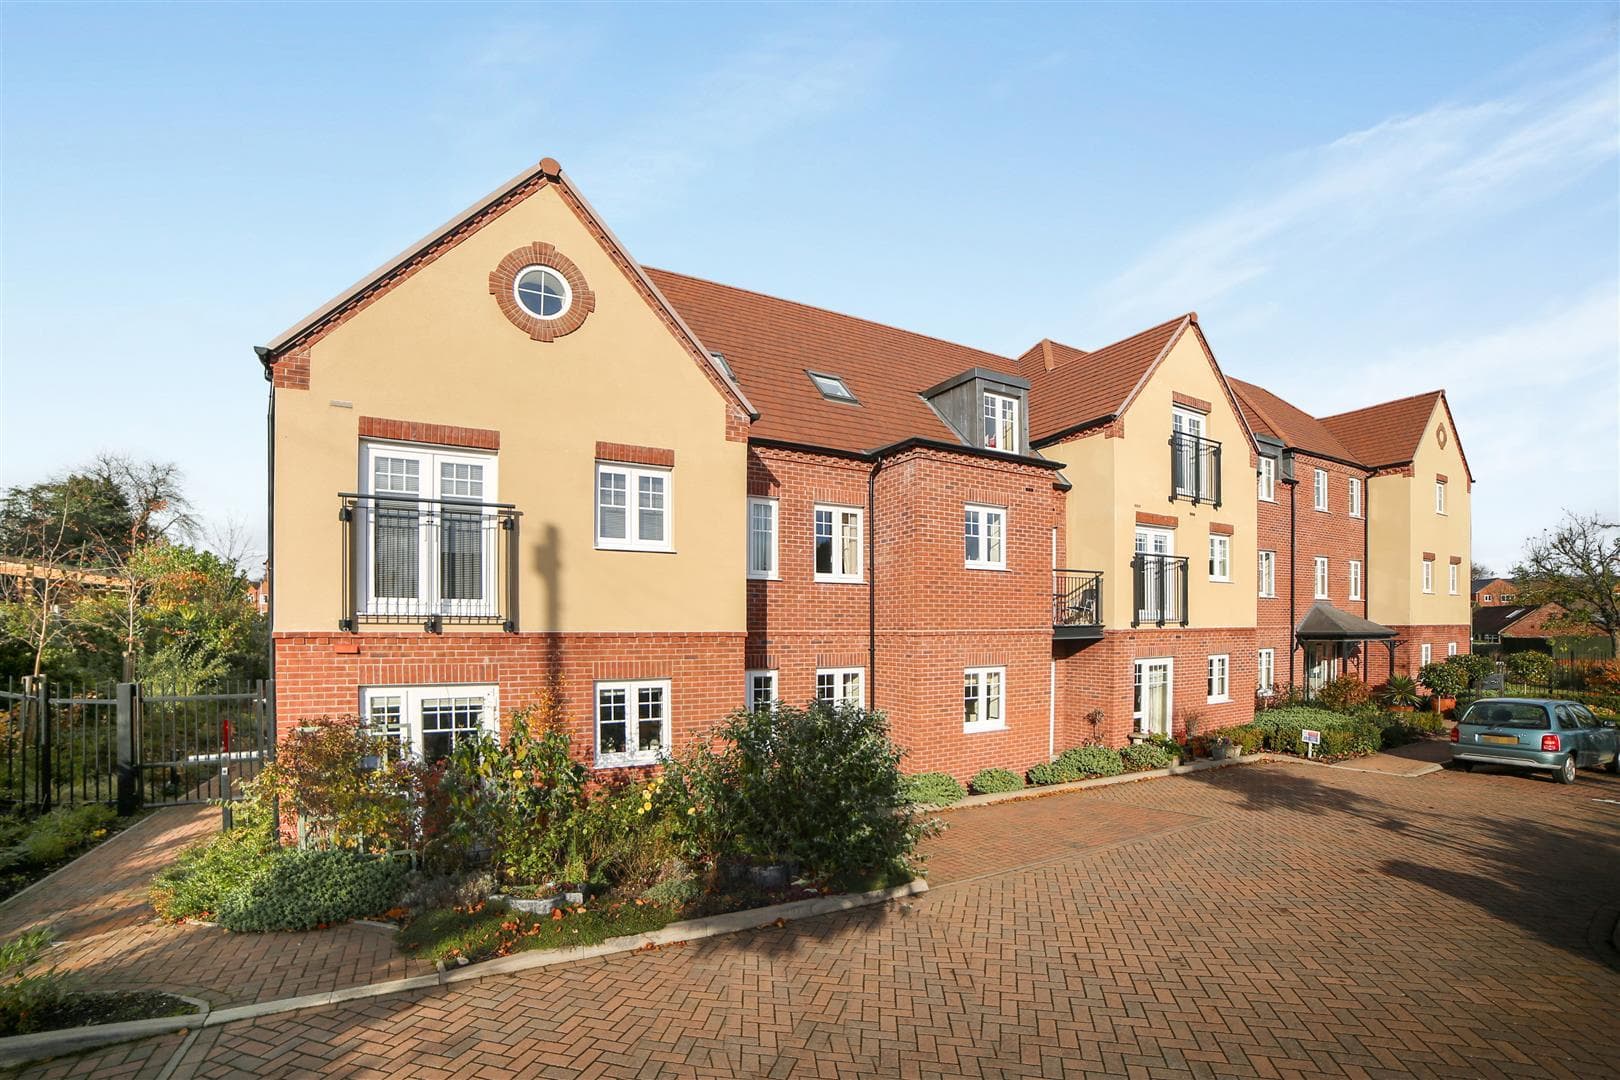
{"points": [[1361, 202]]}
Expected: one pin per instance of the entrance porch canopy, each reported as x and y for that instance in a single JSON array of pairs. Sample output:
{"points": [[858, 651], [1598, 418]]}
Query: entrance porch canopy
{"points": [[1326, 623]]}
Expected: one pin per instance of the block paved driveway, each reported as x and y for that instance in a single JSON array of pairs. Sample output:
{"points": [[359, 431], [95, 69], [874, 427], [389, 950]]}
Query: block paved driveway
{"points": [[1273, 920]]}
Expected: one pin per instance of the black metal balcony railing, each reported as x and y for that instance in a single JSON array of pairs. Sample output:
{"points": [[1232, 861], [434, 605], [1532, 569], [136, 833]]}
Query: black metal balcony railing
{"points": [[408, 559], [1195, 468], [1077, 598], [1160, 587]]}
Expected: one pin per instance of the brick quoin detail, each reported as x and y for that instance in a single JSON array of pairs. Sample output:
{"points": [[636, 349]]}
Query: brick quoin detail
{"points": [[375, 427], [1162, 521], [291, 371], [1190, 402], [635, 455], [503, 281]]}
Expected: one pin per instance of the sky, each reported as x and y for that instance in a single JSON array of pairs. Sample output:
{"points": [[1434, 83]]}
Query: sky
{"points": [[1361, 202]]}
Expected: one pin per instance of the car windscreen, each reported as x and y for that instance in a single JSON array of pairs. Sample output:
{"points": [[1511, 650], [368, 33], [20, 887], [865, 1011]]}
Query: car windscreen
{"points": [[1506, 714]]}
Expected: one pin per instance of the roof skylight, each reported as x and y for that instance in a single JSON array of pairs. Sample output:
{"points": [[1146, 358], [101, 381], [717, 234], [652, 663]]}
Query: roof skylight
{"points": [[832, 388]]}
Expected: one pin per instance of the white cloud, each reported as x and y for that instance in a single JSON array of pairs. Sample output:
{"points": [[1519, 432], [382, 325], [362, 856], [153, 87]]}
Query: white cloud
{"points": [[1404, 176]]}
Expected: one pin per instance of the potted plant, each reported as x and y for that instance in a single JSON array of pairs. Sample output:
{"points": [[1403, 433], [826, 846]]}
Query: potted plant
{"points": [[1444, 682], [1400, 694]]}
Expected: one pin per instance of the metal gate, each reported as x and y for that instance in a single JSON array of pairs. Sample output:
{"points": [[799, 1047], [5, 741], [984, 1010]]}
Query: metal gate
{"points": [[129, 745]]}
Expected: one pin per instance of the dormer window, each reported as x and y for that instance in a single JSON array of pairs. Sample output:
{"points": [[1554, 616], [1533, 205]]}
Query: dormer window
{"points": [[832, 388], [725, 365], [1001, 422]]}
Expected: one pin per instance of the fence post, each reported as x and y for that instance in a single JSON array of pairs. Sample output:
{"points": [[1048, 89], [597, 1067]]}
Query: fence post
{"points": [[42, 744], [129, 760]]}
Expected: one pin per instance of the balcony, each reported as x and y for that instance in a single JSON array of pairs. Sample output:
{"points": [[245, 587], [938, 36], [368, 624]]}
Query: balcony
{"points": [[428, 561], [1159, 584], [1077, 611], [1195, 468]]}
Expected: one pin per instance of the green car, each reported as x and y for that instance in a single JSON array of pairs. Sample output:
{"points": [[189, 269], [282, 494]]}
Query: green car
{"points": [[1528, 733]]}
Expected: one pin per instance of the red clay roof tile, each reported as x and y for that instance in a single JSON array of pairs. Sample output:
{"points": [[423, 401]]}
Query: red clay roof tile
{"points": [[1387, 433], [1271, 415]]}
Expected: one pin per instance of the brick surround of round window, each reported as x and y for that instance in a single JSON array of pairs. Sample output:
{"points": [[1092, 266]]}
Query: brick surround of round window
{"points": [[503, 281]]}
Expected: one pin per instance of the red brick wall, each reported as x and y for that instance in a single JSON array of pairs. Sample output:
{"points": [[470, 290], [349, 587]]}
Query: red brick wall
{"points": [[320, 674], [1409, 652], [1334, 533], [1101, 675]]}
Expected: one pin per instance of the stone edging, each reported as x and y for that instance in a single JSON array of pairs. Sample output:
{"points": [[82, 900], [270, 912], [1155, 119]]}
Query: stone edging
{"points": [[1044, 790], [22, 1049]]}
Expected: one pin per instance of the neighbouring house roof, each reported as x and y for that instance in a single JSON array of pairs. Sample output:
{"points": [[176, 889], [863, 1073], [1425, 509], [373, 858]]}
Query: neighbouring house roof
{"points": [[1324, 622], [1070, 388], [1491, 621], [1482, 582], [1271, 415], [771, 344], [1389, 433]]}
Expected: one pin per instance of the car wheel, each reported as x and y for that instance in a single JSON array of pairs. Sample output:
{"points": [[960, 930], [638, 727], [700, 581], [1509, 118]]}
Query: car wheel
{"points": [[1614, 763], [1463, 766], [1566, 772]]}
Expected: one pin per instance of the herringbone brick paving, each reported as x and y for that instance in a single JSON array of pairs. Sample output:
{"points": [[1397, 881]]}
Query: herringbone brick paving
{"points": [[1271, 921]]}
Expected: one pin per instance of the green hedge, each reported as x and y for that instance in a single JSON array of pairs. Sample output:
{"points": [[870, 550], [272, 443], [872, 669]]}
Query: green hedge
{"points": [[1142, 756], [1342, 735], [992, 781], [1093, 760]]}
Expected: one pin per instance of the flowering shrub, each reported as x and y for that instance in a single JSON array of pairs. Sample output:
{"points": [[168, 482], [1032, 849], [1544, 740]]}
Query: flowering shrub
{"points": [[1535, 668], [348, 785], [1343, 694]]}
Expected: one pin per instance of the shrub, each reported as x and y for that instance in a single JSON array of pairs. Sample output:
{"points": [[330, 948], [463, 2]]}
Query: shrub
{"points": [[1604, 677], [934, 789], [348, 784], [24, 999], [992, 781], [819, 786], [1248, 736], [61, 834], [1145, 755], [1442, 678], [629, 834], [1343, 694], [307, 888], [1092, 761], [1533, 668], [1052, 772], [1399, 691], [196, 885], [518, 799], [1475, 667]]}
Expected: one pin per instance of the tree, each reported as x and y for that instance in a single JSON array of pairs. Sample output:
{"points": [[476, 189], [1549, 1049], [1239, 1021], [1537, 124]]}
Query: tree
{"points": [[41, 588], [1480, 572], [1576, 566]]}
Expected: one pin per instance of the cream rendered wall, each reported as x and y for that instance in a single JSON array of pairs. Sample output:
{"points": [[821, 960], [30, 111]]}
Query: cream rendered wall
{"points": [[437, 349], [1115, 478], [1414, 528]]}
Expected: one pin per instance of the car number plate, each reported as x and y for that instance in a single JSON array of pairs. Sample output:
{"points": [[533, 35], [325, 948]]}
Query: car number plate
{"points": [[1500, 740]]}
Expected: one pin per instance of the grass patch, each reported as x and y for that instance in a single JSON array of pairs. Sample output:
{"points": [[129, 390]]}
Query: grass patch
{"points": [[490, 930]]}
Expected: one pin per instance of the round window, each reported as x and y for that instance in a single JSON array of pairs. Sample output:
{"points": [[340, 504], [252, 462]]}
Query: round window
{"points": [[542, 292]]}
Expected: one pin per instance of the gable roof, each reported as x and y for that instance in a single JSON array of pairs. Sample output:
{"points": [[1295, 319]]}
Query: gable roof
{"points": [[1490, 621], [1387, 433], [546, 172], [1296, 428], [1084, 388], [771, 344]]}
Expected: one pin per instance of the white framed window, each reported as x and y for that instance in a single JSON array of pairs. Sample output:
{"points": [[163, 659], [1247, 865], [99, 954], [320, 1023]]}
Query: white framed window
{"points": [[429, 531], [1266, 671], [633, 507], [1001, 422], [846, 685], [1453, 578], [1219, 678], [762, 538], [984, 537], [838, 543], [1355, 579], [1220, 558], [1439, 496], [542, 292], [761, 689], [984, 699], [832, 387], [1268, 573], [1425, 653], [1485, 598], [430, 721], [1162, 578], [1507, 597], [1152, 695], [1355, 496], [1451, 648], [1321, 577], [1268, 479], [1428, 575], [632, 722], [1320, 487]]}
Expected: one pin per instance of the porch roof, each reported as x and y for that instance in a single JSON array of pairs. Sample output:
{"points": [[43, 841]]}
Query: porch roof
{"points": [[1324, 622]]}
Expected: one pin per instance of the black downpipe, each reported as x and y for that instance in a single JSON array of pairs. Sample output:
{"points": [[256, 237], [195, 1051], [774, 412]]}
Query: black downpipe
{"points": [[270, 541], [1293, 580], [871, 583], [1366, 548]]}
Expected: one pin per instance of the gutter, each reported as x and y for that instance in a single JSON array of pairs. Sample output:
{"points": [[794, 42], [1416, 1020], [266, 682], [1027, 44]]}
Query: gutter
{"points": [[1064, 433]]}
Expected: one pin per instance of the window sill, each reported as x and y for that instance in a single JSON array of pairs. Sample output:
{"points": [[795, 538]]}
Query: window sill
{"points": [[966, 730], [622, 762], [828, 579], [985, 566], [764, 577], [1220, 581], [1224, 700], [629, 547]]}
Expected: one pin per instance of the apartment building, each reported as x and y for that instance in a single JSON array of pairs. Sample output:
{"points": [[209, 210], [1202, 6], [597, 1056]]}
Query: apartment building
{"points": [[513, 457]]}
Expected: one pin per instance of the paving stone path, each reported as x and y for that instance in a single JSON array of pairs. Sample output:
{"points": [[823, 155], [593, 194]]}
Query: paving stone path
{"points": [[1273, 920]]}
